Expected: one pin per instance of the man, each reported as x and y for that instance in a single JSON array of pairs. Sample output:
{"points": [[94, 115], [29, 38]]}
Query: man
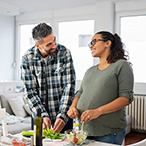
{"points": [[48, 75]]}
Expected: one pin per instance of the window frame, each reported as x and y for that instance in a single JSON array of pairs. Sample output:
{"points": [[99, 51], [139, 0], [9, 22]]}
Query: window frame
{"points": [[17, 50], [139, 88], [74, 18], [78, 81]]}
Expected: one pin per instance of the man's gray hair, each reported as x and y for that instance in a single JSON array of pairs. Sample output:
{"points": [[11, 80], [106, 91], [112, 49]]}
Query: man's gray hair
{"points": [[40, 31]]}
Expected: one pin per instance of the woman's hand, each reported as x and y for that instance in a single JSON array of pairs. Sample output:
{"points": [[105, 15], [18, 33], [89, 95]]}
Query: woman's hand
{"points": [[72, 112], [89, 115]]}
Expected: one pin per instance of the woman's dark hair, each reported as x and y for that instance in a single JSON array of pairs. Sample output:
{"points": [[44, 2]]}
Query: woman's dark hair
{"points": [[117, 51]]}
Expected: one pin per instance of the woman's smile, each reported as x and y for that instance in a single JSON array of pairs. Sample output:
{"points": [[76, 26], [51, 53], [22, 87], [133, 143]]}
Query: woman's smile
{"points": [[93, 50]]}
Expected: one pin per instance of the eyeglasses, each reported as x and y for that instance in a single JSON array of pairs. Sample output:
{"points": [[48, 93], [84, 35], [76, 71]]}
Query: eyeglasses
{"points": [[93, 42]]}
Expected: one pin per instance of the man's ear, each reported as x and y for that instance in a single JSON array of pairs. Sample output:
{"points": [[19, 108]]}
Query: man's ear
{"points": [[37, 45]]}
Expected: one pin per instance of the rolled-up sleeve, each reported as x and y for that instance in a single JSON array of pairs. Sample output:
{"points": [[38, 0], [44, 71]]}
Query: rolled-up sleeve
{"points": [[126, 81]]}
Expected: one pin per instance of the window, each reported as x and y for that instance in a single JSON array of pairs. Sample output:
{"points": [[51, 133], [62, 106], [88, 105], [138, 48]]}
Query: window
{"points": [[83, 39], [26, 40], [76, 35], [133, 32]]}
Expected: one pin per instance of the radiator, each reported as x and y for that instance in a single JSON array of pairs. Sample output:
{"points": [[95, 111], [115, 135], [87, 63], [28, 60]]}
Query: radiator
{"points": [[137, 111]]}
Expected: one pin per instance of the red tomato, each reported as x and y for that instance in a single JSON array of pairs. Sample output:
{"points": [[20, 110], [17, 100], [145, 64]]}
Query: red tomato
{"points": [[14, 141], [75, 140], [20, 143]]}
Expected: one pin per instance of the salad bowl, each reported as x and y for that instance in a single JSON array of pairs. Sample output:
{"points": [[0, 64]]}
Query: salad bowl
{"points": [[76, 137]]}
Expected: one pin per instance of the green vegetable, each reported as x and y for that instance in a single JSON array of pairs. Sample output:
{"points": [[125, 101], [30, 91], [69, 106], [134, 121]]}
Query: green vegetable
{"points": [[27, 133], [51, 135]]}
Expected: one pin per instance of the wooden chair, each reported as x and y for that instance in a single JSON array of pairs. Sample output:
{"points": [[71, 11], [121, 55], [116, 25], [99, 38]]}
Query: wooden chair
{"points": [[141, 143], [4, 122]]}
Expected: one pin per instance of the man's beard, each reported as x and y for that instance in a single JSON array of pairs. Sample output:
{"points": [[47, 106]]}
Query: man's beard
{"points": [[48, 52]]}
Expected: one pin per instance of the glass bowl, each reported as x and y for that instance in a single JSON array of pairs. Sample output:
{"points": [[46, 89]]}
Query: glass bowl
{"points": [[76, 137]]}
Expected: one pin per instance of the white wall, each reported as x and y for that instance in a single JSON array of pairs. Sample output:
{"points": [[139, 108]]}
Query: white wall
{"points": [[106, 15], [7, 36]]}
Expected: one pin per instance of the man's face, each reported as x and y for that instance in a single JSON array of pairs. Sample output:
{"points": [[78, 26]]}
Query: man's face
{"points": [[48, 45]]}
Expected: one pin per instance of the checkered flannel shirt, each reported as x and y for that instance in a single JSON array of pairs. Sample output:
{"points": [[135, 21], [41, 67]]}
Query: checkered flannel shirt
{"points": [[60, 75]]}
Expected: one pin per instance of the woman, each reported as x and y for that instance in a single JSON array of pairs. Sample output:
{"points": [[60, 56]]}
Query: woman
{"points": [[105, 90]]}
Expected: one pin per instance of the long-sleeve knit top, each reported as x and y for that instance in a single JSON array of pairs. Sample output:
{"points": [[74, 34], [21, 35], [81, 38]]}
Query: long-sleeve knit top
{"points": [[100, 87]]}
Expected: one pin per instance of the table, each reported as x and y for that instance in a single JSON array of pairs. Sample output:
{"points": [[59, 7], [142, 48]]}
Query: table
{"points": [[66, 143]]}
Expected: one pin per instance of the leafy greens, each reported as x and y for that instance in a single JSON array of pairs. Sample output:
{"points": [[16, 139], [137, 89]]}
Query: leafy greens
{"points": [[51, 135]]}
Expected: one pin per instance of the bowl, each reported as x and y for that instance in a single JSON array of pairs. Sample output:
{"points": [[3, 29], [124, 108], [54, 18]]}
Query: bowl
{"points": [[76, 137]]}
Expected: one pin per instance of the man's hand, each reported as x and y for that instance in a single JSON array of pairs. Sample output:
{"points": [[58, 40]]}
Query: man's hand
{"points": [[46, 123], [58, 126]]}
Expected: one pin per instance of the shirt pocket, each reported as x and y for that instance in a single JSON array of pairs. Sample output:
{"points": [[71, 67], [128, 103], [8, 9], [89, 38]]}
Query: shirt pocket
{"points": [[59, 69]]}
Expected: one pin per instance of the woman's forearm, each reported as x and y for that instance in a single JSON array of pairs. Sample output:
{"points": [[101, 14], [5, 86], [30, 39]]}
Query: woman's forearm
{"points": [[75, 101], [113, 106]]}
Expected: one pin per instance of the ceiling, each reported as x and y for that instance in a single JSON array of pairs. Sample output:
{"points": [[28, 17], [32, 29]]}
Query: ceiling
{"points": [[16, 7]]}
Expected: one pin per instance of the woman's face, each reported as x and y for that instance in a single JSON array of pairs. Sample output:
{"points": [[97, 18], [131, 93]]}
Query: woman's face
{"points": [[98, 46]]}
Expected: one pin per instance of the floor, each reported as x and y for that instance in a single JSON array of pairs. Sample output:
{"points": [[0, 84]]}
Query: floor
{"points": [[134, 137]]}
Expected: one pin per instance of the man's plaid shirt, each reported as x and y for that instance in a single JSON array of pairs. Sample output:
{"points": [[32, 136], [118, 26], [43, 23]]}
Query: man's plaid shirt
{"points": [[60, 75]]}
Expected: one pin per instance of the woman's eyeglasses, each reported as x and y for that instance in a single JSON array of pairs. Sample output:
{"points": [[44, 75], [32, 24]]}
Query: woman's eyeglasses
{"points": [[93, 42]]}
